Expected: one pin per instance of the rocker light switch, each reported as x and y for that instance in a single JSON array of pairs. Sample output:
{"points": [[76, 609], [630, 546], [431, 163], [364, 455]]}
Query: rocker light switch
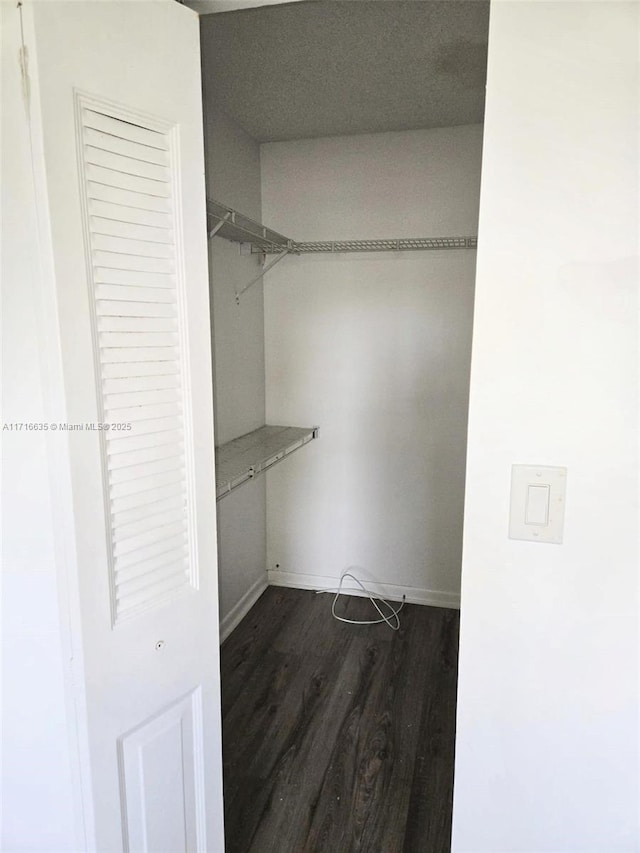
{"points": [[537, 503], [537, 511]]}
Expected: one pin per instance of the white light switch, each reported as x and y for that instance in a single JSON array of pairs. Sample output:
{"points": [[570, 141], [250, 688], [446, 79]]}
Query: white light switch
{"points": [[537, 511], [537, 503]]}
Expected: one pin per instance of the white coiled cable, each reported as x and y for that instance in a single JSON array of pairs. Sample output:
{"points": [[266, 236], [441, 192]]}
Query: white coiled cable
{"points": [[392, 619]]}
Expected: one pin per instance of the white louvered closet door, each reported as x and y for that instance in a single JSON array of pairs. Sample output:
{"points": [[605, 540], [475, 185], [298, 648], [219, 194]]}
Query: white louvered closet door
{"points": [[129, 192], [117, 119]]}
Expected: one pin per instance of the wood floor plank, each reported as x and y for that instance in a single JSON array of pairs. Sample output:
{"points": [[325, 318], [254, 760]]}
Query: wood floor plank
{"points": [[375, 797], [429, 816], [339, 810], [297, 781], [243, 650], [311, 624], [339, 737], [275, 717], [247, 725]]}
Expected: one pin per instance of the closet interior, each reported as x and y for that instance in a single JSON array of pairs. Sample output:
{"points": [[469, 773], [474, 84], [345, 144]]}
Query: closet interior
{"points": [[355, 130], [343, 149]]}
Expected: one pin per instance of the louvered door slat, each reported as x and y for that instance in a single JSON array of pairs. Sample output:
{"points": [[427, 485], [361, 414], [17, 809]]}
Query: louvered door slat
{"points": [[129, 189], [132, 544], [175, 557], [127, 384], [133, 473], [128, 198], [137, 324], [124, 129], [164, 573], [136, 475], [147, 483], [151, 522], [159, 548], [155, 448], [133, 263], [141, 398], [120, 354], [117, 145], [139, 354], [169, 564], [150, 368], [158, 589], [113, 308], [122, 465], [142, 499], [153, 432], [138, 416], [133, 293], [129, 215], [137, 457], [138, 339], [133, 278], [127, 165], [130, 230], [128, 516], [131, 246], [130, 183]]}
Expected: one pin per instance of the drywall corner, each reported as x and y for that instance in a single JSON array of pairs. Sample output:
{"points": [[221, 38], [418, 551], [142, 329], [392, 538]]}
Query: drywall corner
{"points": [[233, 177]]}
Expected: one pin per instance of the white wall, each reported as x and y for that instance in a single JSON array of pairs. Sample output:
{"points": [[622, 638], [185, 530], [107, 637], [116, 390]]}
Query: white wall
{"points": [[37, 780], [547, 743], [233, 178], [374, 349]]}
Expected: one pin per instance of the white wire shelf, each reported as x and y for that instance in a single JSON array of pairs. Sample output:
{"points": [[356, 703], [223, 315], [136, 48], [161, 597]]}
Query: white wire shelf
{"points": [[225, 222], [244, 458], [402, 244], [228, 223], [234, 226]]}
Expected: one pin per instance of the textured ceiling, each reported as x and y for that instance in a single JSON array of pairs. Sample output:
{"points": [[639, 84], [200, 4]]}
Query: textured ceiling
{"points": [[358, 66]]}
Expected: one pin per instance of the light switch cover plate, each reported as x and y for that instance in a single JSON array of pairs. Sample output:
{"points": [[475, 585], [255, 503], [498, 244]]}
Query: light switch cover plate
{"points": [[537, 503]]}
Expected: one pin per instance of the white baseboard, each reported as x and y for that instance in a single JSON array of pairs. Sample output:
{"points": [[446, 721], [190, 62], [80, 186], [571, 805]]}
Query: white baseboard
{"points": [[394, 592], [240, 610]]}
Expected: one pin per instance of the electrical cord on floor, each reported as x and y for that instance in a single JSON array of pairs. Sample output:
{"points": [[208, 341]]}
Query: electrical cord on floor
{"points": [[392, 619]]}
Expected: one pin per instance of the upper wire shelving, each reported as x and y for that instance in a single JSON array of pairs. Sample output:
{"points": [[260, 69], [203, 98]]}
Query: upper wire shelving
{"points": [[228, 223]]}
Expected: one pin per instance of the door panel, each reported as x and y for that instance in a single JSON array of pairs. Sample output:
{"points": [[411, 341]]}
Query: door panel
{"points": [[162, 781], [121, 125]]}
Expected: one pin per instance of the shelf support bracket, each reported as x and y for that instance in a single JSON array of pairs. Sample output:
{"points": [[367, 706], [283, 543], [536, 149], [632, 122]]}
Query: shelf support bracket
{"points": [[217, 227], [265, 269]]}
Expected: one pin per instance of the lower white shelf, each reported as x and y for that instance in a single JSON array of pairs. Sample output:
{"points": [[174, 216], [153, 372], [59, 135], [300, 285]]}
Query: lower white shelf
{"points": [[242, 459]]}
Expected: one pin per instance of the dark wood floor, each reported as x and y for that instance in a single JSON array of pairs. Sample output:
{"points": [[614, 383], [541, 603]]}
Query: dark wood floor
{"points": [[338, 738]]}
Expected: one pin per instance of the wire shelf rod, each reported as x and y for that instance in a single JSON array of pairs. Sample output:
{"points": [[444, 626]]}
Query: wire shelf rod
{"points": [[234, 226], [402, 244]]}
